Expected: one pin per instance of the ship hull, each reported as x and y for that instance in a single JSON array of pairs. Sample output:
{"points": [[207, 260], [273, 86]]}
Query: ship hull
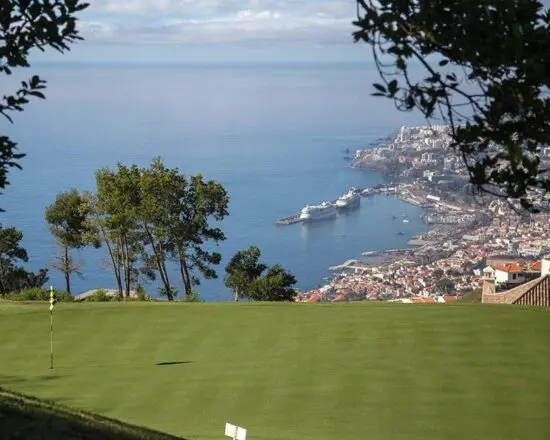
{"points": [[318, 217], [349, 205]]}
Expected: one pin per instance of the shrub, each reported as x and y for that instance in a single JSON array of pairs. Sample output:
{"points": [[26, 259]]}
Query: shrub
{"points": [[62, 296], [141, 294], [194, 297], [39, 294], [100, 295]]}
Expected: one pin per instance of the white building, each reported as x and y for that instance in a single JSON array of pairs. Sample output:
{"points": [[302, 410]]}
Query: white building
{"points": [[428, 158], [509, 274], [489, 273]]}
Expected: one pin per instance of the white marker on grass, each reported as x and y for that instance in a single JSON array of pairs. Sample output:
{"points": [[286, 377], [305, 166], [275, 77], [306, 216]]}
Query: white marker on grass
{"points": [[235, 432]]}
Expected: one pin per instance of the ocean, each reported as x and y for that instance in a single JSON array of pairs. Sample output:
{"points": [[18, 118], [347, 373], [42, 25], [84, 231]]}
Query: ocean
{"points": [[273, 135]]}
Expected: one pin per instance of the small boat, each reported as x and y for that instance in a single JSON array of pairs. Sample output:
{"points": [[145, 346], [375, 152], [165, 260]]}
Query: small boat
{"points": [[400, 233], [394, 217], [405, 221]]}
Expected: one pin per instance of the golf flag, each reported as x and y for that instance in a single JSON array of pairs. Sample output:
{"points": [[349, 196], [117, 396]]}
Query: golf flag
{"points": [[53, 300]]}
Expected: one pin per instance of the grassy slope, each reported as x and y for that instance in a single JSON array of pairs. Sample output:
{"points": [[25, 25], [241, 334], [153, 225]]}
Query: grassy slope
{"points": [[27, 418], [345, 371], [472, 297]]}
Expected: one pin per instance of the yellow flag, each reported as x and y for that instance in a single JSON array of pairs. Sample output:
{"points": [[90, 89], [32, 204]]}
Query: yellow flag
{"points": [[52, 299]]}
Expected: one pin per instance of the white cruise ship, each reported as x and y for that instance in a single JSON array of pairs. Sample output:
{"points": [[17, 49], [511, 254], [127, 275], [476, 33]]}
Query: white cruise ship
{"points": [[349, 200], [323, 211]]}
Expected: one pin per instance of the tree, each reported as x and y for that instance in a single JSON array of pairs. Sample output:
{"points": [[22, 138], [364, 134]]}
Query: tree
{"points": [[174, 213], [67, 219], [245, 277], [242, 271], [275, 285], [161, 191], [112, 222], [12, 276], [483, 70], [445, 285], [26, 25], [155, 216], [203, 201]]}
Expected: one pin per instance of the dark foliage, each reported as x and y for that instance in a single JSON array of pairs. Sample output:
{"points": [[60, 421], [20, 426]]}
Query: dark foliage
{"points": [[14, 277], [26, 25], [485, 71], [245, 276]]}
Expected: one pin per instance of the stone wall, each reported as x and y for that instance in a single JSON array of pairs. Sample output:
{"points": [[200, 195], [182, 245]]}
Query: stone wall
{"points": [[489, 296]]}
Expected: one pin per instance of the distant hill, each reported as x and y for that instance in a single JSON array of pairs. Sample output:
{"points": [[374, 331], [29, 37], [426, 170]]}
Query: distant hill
{"points": [[27, 418]]}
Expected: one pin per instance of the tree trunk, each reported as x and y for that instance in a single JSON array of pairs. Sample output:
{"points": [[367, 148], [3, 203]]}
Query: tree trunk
{"points": [[67, 270], [184, 271], [128, 273], [2, 284], [116, 267], [121, 266], [167, 285], [237, 295], [160, 265], [126, 269]]}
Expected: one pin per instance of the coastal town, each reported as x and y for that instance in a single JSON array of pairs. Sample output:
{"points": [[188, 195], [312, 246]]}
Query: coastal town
{"points": [[470, 238]]}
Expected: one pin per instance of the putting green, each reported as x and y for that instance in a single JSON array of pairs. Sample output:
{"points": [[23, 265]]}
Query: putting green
{"points": [[291, 371]]}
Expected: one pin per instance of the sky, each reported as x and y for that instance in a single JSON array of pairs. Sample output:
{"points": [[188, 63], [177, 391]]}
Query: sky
{"points": [[182, 31]]}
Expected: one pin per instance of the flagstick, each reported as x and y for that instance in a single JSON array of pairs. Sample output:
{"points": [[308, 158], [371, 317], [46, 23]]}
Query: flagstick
{"points": [[51, 339], [51, 326]]}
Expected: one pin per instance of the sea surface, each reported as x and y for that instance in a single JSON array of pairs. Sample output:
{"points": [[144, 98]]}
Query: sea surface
{"points": [[273, 135]]}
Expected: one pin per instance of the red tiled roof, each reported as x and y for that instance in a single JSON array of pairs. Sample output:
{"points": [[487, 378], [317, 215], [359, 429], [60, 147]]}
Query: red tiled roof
{"points": [[510, 268], [534, 266]]}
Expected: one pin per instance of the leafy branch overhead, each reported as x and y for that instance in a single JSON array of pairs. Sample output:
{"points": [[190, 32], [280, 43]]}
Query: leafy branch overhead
{"points": [[481, 66], [26, 25]]}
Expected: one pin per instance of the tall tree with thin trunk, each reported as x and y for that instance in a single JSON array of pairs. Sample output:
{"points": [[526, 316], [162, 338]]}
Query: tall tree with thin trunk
{"points": [[190, 233], [161, 191], [67, 220], [113, 216], [175, 214]]}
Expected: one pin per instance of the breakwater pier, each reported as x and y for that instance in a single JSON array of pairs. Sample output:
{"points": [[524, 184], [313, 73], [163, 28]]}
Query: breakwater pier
{"points": [[290, 220]]}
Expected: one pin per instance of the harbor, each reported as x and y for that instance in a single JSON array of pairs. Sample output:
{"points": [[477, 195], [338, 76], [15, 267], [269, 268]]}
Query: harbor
{"points": [[329, 209]]}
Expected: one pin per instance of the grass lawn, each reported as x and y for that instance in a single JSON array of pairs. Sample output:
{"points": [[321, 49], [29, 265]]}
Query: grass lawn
{"points": [[291, 371], [27, 418]]}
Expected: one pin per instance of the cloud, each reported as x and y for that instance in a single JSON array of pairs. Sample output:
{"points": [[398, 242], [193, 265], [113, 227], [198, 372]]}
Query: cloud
{"points": [[218, 21]]}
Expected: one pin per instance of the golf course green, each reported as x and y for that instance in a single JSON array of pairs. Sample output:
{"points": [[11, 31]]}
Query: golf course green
{"points": [[290, 371]]}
